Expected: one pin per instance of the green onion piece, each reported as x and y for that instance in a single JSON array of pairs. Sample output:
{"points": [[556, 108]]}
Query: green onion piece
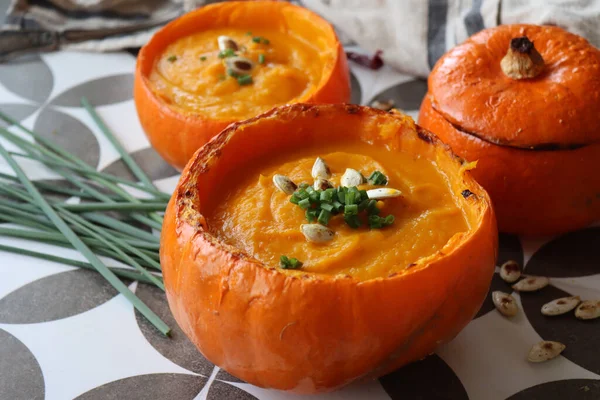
{"points": [[372, 208], [244, 80], [266, 41], [352, 221], [302, 194], [377, 222], [303, 185], [363, 195], [362, 206], [256, 39], [295, 199], [327, 195], [377, 178], [341, 194], [304, 203], [314, 196], [172, 59], [311, 214], [350, 197], [351, 209], [226, 53], [249, 33], [324, 217], [203, 58], [389, 219], [309, 189], [327, 207], [289, 263], [339, 207], [261, 58], [232, 73]]}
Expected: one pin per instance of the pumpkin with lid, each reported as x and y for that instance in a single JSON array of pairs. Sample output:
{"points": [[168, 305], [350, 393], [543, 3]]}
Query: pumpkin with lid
{"points": [[229, 61], [524, 101]]}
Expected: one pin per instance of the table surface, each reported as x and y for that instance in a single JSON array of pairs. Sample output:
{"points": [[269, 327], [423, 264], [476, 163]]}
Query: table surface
{"points": [[65, 333]]}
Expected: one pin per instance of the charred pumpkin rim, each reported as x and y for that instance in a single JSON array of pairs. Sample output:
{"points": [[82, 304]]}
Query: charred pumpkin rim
{"points": [[501, 143], [146, 61], [185, 197]]}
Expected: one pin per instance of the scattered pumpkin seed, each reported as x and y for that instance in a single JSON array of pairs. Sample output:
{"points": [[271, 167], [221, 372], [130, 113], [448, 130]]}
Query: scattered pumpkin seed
{"points": [[239, 65], [385, 105], [505, 303], [531, 284], [285, 184], [316, 233], [383, 193], [560, 306], [225, 42], [510, 271], [352, 178], [322, 184], [589, 309], [544, 351], [320, 169]]}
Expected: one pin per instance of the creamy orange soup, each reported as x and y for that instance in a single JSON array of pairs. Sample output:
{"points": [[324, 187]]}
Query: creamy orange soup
{"points": [[191, 77], [259, 219]]}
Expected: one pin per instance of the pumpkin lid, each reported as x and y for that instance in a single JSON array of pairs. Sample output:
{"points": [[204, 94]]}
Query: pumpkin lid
{"points": [[523, 86]]}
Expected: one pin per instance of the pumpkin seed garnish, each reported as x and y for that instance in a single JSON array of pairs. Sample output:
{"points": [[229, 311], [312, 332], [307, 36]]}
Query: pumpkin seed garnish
{"points": [[385, 105], [383, 193], [316, 233], [589, 309], [505, 303], [239, 65], [352, 178], [320, 169], [544, 351], [285, 184], [560, 306], [510, 271], [225, 42], [531, 284], [322, 184]]}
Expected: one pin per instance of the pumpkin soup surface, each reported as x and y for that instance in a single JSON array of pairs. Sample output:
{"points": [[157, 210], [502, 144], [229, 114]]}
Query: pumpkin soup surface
{"points": [[259, 219], [192, 76]]}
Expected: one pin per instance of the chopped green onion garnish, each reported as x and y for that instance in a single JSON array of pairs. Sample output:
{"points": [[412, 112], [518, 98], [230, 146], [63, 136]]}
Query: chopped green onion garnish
{"points": [[232, 73], [303, 185], [339, 207], [326, 195], [244, 79], [226, 53], [260, 39], [351, 209], [289, 263], [203, 58], [304, 203], [324, 217], [350, 197], [172, 59], [372, 208], [377, 222], [352, 221], [341, 194], [295, 199], [311, 214], [363, 205], [249, 33], [377, 178], [327, 207], [261, 58], [314, 196]]}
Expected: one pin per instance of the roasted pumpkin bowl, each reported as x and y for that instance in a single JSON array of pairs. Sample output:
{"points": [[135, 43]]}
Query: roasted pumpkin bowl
{"points": [[230, 61], [523, 100], [362, 304]]}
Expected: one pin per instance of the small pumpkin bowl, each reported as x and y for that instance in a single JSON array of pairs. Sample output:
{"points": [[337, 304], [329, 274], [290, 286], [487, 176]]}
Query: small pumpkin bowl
{"points": [[303, 332], [523, 100], [176, 132]]}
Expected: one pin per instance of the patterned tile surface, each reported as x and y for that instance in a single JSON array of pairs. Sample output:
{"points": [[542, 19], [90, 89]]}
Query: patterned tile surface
{"points": [[65, 333]]}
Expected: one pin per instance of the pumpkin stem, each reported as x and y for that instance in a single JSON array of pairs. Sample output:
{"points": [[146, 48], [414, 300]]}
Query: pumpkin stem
{"points": [[522, 60]]}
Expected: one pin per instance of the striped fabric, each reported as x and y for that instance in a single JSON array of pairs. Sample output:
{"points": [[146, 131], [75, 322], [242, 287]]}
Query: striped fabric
{"points": [[412, 33]]}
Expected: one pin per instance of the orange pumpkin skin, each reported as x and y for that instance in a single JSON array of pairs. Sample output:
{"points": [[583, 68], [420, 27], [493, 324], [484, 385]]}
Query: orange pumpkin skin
{"points": [[307, 333], [176, 136], [508, 126], [534, 192]]}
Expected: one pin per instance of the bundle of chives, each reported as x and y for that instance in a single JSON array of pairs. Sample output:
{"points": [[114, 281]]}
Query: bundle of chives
{"points": [[111, 222]]}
